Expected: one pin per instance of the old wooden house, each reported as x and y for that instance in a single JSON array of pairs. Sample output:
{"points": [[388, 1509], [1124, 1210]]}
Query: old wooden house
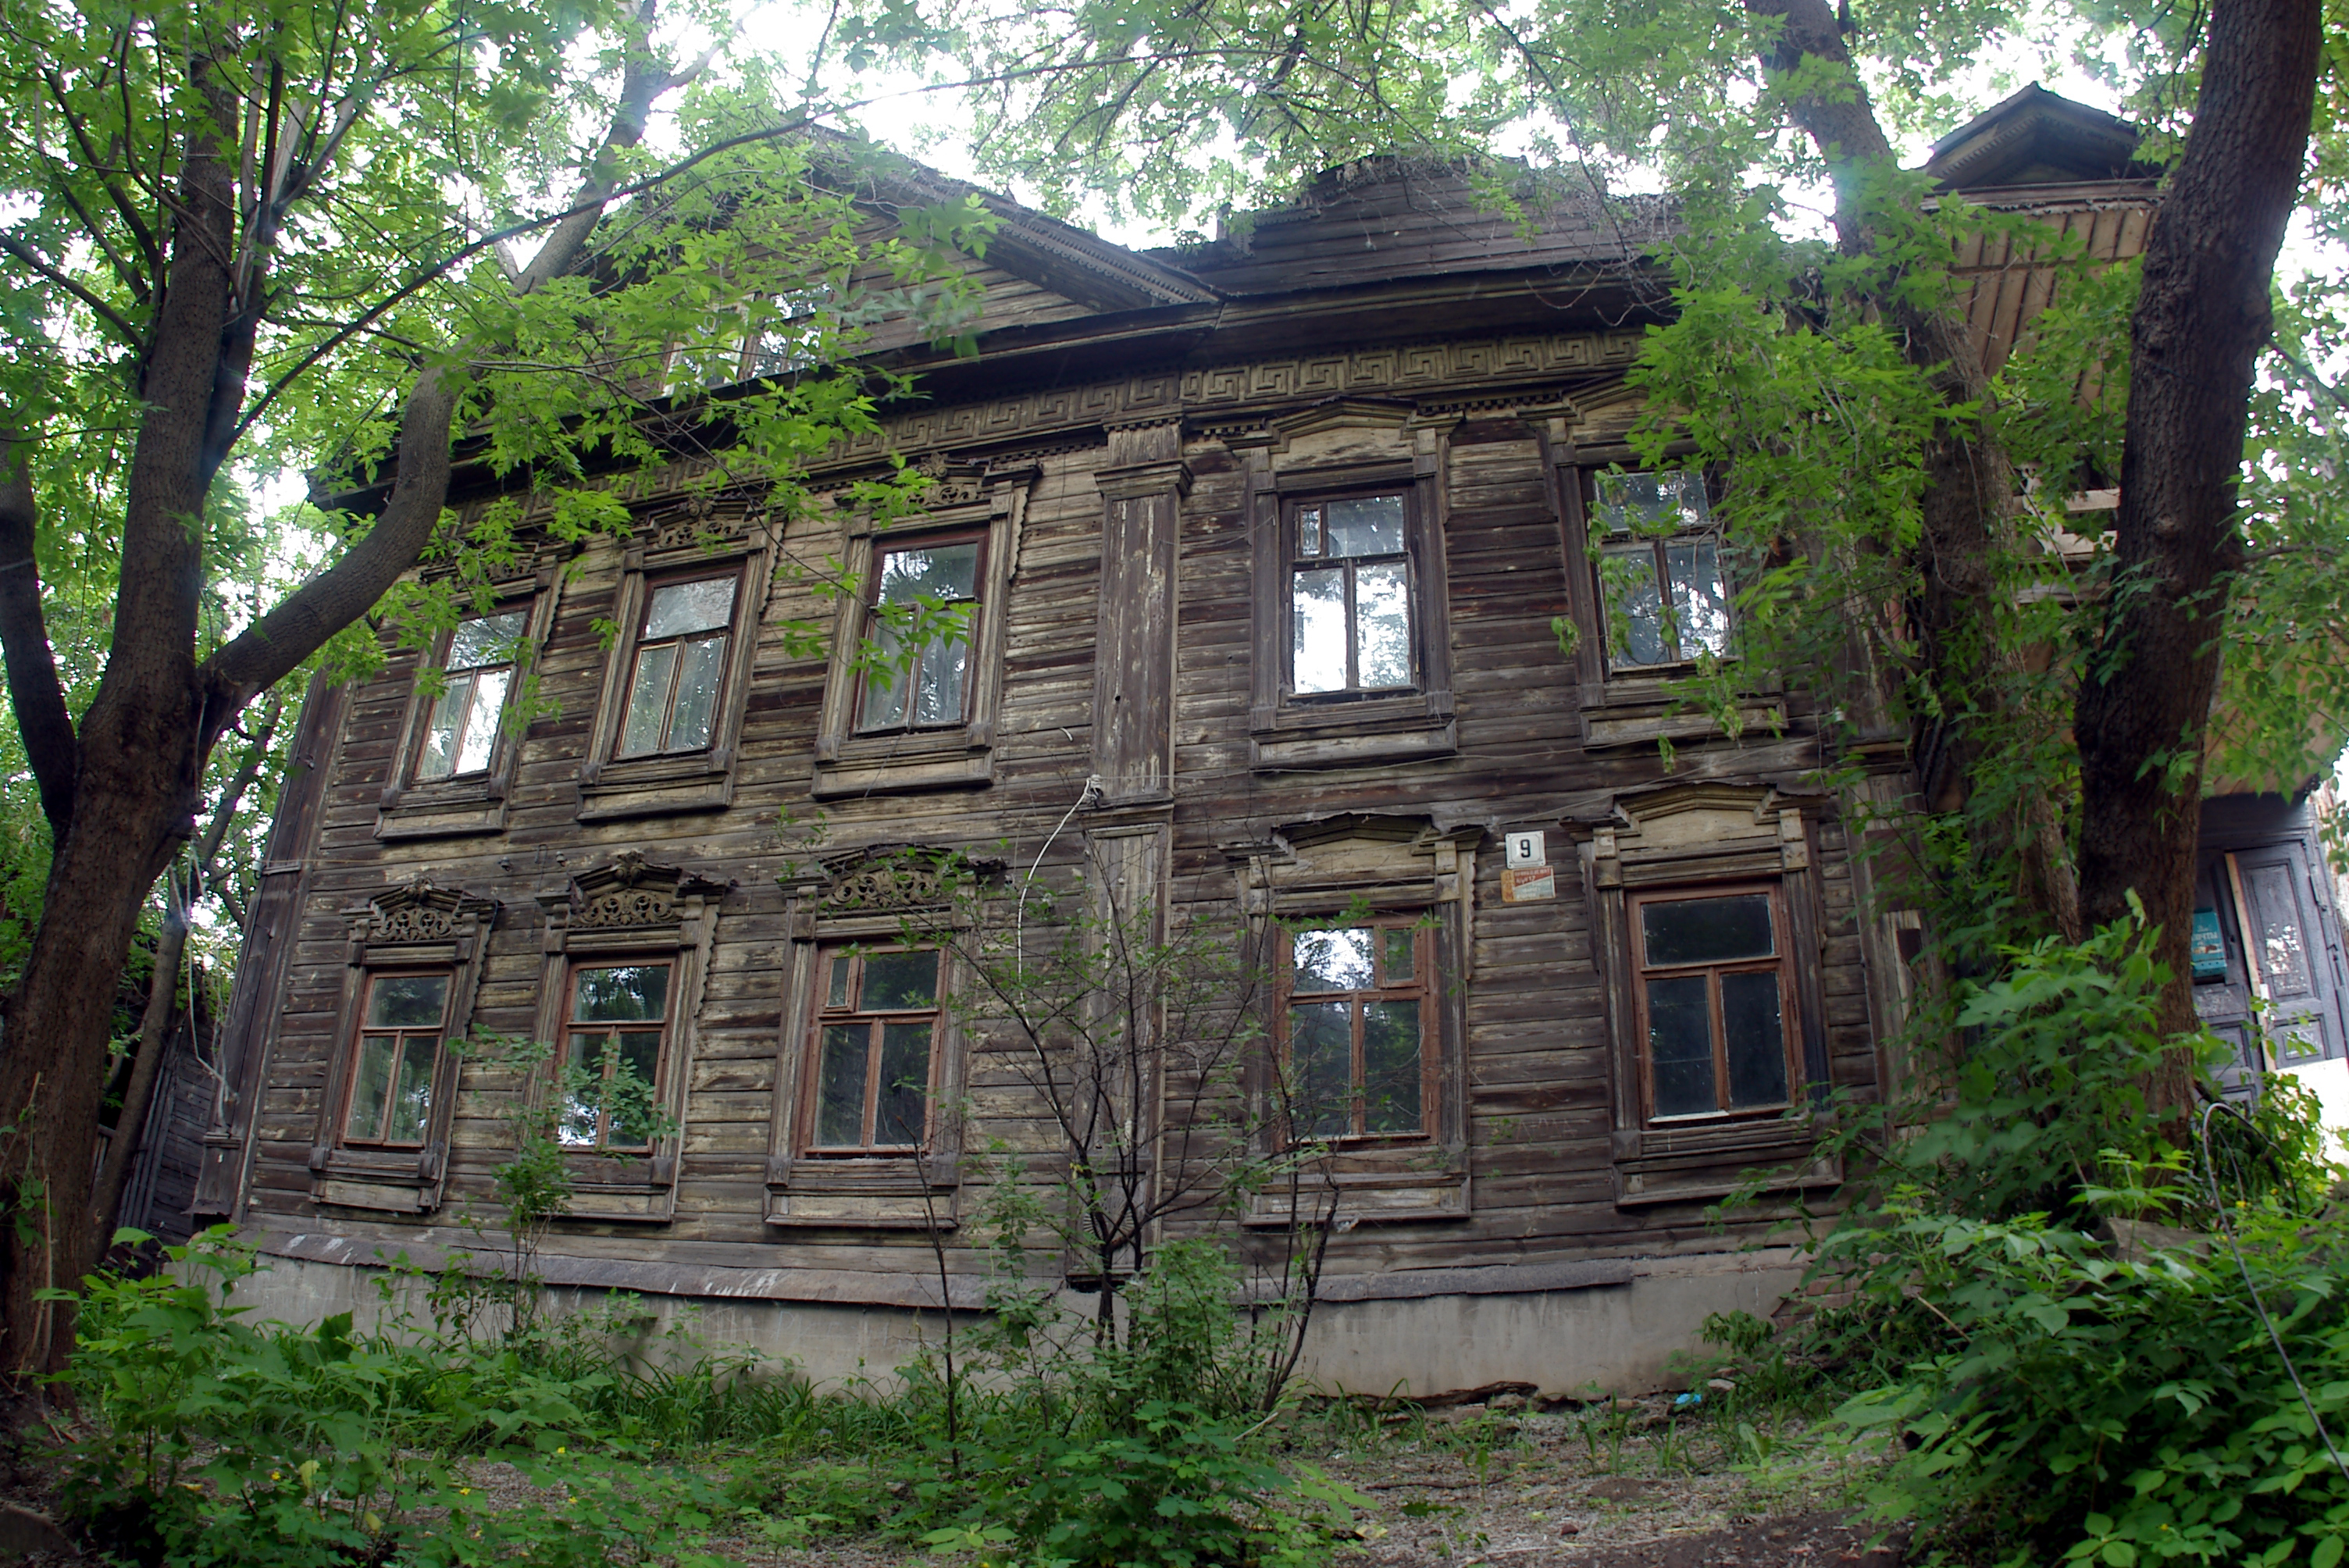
{"points": [[1267, 547]]}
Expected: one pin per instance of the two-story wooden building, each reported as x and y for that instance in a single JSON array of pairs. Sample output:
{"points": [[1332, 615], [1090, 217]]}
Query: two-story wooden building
{"points": [[1282, 601]]}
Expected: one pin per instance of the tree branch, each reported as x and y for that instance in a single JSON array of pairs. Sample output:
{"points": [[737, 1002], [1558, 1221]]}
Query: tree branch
{"points": [[98, 305], [33, 689]]}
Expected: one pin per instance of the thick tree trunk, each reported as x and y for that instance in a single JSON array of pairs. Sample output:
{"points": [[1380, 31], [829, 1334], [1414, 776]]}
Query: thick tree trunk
{"points": [[2201, 321]]}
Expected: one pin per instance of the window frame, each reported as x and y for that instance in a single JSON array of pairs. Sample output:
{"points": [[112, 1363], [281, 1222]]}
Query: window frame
{"points": [[412, 807], [823, 1016], [1598, 547], [626, 912], [1780, 963], [968, 499], [402, 1034], [415, 929], [1290, 730], [872, 899], [1420, 989], [573, 1026], [640, 643], [685, 538], [1633, 706], [901, 541], [1292, 544], [1695, 837]]}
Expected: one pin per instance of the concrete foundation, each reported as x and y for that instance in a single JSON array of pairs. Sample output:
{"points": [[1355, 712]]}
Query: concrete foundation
{"points": [[1617, 1334]]}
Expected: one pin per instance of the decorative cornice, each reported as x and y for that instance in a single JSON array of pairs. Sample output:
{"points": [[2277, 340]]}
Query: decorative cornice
{"points": [[420, 912]]}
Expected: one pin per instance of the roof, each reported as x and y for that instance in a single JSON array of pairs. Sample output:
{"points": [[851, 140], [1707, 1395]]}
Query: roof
{"points": [[2036, 138]]}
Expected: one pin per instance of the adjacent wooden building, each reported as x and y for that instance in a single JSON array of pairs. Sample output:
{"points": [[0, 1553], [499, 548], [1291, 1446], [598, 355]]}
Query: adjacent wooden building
{"points": [[1282, 606]]}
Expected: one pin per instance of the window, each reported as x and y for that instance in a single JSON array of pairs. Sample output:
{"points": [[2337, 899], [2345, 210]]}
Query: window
{"points": [[1712, 997], [680, 669], [461, 732], [876, 1041], [925, 619], [412, 965], [1350, 596], [915, 686], [399, 1055], [1354, 1018], [1351, 646], [1659, 569], [611, 1058]]}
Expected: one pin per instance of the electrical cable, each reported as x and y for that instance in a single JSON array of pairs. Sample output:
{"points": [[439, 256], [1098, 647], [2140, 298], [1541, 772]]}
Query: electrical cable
{"points": [[2226, 1229], [1087, 798]]}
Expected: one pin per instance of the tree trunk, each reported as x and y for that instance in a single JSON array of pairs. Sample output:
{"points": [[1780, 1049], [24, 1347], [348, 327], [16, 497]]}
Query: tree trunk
{"points": [[146, 1067], [2201, 319]]}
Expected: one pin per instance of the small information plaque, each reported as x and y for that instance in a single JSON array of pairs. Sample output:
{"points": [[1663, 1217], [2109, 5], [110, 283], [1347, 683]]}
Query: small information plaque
{"points": [[1528, 885]]}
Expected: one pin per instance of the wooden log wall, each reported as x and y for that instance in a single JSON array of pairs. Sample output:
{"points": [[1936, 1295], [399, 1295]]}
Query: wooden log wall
{"points": [[1540, 1117]]}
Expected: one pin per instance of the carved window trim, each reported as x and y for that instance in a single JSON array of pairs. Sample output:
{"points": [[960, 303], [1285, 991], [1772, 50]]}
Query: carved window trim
{"points": [[1384, 868], [688, 538], [868, 897], [472, 802], [1292, 730], [1700, 839], [628, 910], [414, 929], [965, 503], [1625, 708]]}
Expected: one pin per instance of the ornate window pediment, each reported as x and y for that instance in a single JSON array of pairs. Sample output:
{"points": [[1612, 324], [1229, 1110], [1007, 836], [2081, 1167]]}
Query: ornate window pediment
{"points": [[420, 912], [632, 894]]}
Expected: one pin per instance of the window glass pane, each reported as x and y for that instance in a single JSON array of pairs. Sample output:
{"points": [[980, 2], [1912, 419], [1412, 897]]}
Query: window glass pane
{"points": [[1635, 610], [629, 1094], [1322, 1066], [1318, 630], [938, 695], [1402, 967], [370, 1084], [1366, 525], [2276, 928], [407, 1001], [898, 980], [1679, 1046], [623, 994], [886, 687], [947, 572], [1391, 1077], [1308, 530], [1333, 959], [840, 1086], [411, 1100], [484, 640], [1383, 624], [678, 608], [1756, 1037], [582, 1090], [1700, 604], [439, 758], [648, 698], [905, 1083], [1652, 503], [696, 694], [836, 993], [482, 726], [1707, 930]]}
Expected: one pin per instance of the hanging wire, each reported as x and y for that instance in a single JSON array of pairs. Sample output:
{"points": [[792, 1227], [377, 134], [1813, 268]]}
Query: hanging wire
{"points": [[2226, 1229]]}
